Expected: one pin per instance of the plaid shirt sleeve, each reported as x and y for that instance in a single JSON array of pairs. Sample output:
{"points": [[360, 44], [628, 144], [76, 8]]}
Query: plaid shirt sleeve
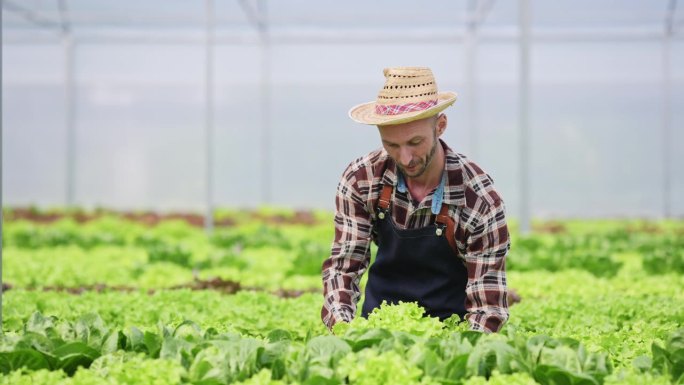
{"points": [[485, 257], [350, 254]]}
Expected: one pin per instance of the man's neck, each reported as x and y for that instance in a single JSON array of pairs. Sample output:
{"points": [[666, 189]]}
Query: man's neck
{"points": [[420, 186]]}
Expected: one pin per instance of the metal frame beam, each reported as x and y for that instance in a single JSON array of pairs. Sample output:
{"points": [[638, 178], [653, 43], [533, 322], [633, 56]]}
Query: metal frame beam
{"points": [[2, 4], [70, 102], [477, 13], [667, 108], [470, 45], [364, 36], [266, 173], [257, 16], [31, 16], [209, 115], [64, 17], [523, 114]]}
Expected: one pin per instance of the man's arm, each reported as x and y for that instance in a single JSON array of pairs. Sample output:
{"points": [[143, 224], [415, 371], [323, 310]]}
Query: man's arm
{"points": [[486, 291], [350, 254]]}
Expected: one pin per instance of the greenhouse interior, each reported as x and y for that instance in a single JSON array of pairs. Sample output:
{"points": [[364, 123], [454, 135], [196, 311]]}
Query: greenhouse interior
{"points": [[298, 192]]}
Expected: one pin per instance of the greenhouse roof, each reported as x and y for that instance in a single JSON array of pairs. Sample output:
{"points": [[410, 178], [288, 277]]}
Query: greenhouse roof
{"points": [[298, 21]]}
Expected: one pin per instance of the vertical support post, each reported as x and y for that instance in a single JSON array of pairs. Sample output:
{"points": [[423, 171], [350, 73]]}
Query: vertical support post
{"points": [[524, 106], [1, 189], [470, 65], [69, 103], [70, 115], [667, 109], [209, 117], [667, 127], [266, 188]]}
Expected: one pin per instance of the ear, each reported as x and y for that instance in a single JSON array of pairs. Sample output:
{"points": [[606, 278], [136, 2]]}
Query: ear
{"points": [[441, 124]]}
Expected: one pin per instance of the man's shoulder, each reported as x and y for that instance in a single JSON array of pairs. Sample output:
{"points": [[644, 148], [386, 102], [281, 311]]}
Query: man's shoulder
{"points": [[476, 184], [367, 166]]}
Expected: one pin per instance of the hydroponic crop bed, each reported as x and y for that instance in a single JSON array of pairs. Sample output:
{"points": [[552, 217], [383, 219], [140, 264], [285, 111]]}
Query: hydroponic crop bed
{"points": [[112, 299]]}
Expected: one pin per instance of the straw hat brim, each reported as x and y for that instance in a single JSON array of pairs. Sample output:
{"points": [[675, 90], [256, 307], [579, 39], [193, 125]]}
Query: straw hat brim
{"points": [[365, 113]]}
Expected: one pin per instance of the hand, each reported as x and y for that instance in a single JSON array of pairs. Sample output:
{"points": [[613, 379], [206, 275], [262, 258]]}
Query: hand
{"points": [[513, 297]]}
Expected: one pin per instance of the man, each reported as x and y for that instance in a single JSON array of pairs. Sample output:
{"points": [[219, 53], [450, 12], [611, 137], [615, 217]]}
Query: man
{"points": [[438, 222]]}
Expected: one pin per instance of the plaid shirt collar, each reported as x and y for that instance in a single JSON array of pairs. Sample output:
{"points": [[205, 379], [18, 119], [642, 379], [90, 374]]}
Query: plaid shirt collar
{"points": [[454, 188]]}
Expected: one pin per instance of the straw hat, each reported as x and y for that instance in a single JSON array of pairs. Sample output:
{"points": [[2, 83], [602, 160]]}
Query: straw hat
{"points": [[409, 93]]}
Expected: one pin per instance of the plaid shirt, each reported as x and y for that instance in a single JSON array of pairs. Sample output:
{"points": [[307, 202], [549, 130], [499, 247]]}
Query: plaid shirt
{"points": [[481, 234]]}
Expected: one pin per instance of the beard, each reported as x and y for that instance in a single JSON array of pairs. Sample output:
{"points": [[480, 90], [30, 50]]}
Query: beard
{"points": [[424, 163]]}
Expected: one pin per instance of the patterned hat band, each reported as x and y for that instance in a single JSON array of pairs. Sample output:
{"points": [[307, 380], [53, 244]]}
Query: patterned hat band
{"points": [[397, 109]]}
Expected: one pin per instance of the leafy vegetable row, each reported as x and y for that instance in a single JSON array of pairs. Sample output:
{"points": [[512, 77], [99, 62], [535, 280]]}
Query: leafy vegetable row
{"points": [[424, 352]]}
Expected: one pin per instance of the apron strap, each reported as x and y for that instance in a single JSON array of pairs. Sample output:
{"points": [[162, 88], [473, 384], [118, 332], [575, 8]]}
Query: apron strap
{"points": [[385, 196], [443, 218]]}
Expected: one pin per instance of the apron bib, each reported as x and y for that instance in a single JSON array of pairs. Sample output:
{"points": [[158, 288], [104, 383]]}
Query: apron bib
{"points": [[416, 265]]}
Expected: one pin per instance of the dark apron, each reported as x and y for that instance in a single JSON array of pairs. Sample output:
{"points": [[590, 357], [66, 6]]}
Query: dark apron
{"points": [[415, 265]]}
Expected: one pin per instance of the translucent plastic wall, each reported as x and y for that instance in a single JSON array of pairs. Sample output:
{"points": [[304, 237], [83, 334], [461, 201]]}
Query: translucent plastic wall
{"points": [[596, 118]]}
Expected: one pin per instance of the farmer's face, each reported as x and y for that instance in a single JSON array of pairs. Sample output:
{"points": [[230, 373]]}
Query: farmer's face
{"points": [[412, 145]]}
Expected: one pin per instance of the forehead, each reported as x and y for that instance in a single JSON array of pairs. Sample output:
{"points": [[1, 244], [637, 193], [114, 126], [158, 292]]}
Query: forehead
{"points": [[399, 133]]}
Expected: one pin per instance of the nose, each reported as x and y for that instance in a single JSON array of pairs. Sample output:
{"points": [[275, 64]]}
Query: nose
{"points": [[405, 156]]}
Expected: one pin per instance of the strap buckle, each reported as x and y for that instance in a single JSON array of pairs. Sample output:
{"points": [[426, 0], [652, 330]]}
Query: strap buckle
{"points": [[381, 214]]}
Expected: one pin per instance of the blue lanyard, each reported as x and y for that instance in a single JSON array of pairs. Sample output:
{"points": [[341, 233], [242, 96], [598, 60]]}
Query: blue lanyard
{"points": [[437, 198]]}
